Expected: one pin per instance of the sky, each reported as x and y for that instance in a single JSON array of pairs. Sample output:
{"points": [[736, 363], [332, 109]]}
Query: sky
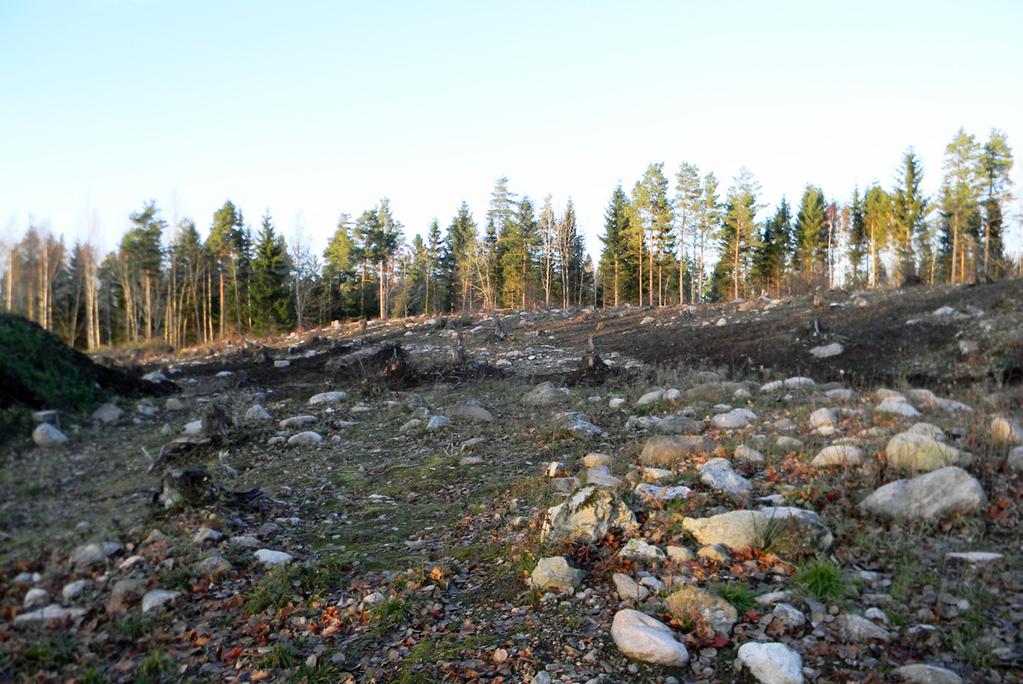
{"points": [[310, 109]]}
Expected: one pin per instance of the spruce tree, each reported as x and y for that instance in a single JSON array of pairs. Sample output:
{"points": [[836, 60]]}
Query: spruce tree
{"points": [[269, 281], [909, 211], [858, 244], [614, 257], [810, 234], [996, 163]]}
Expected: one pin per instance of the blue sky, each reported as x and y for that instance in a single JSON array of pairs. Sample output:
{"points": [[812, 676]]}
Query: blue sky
{"points": [[314, 108]]}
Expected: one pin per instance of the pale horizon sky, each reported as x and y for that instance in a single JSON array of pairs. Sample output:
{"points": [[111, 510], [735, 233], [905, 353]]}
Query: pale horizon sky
{"points": [[311, 109]]}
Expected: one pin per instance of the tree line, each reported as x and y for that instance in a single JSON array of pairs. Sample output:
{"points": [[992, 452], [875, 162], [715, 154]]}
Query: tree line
{"points": [[663, 244]]}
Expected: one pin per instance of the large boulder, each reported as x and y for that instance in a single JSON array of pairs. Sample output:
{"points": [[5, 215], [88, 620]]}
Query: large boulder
{"points": [[927, 497], [839, 455], [734, 419], [576, 424], [692, 605], [327, 397], [792, 531], [669, 450], [641, 637], [771, 663], [107, 414], [556, 574], [46, 435], [915, 452], [679, 425], [588, 515], [469, 412]]}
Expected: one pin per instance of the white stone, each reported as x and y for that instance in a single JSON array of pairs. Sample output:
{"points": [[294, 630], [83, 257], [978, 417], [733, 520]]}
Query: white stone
{"points": [[919, 673], [912, 451], [49, 613], [327, 397], [156, 598], [307, 438], [46, 435], [857, 628], [772, 663], [73, 590], [898, 407], [823, 416], [554, 573], [641, 550], [269, 557], [35, 597], [628, 589], [733, 419], [927, 497], [974, 557], [653, 494], [827, 351], [94, 553], [641, 637], [588, 515], [437, 422], [296, 422], [651, 397], [596, 460], [840, 455], [719, 474], [107, 413], [1006, 430]]}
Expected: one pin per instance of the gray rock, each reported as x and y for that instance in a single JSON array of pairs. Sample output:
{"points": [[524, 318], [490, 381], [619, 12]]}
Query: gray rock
{"points": [[771, 663], [928, 430], [602, 476], [36, 597], [789, 615], [94, 552], [271, 558], [577, 424], [643, 638], [679, 425], [859, 629], [545, 394], [651, 397], [327, 397], [554, 573], [927, 497], [307, 438], [596, 460], [628, 589], [679, 554], [214, 566], [51, 613], [788, 529], [919, 673], [257, 414], [897, 406], [1006, 430], [714, 552], [718, 474], [107, 414], [650, 493], [124, 593], [437, 422], [734, 419], [296, 422], [823, 416], [73, 590], [745, 454], [639, 549], [156, 598], [46, 435], [1015, 459], [588, 515], [826, 351]]}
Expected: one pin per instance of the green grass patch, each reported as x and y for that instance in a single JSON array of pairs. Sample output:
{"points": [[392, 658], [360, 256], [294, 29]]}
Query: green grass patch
{"points": [[823, 580], [739, 595]]}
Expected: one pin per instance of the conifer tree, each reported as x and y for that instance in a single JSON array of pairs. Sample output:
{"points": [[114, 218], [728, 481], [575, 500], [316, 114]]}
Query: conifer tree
{"points": [[857, 239], [687, 209], [810, 242], [996, 163], [269, 284], [614, 257], [909, 211]]}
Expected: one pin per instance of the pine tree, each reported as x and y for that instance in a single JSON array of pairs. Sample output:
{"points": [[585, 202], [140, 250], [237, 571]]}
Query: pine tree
{"points": [[269, 280], [770, 255], [434, 249], [222, 245], [961, 190], [909, 211], [810, 243], [614, 257], [858, 243], [688, 199], [517, 255], [737, 236], [877, 218], [996, 163], [653, 218], [548, 238], [462, 249], [708, 226], [142, 259]]}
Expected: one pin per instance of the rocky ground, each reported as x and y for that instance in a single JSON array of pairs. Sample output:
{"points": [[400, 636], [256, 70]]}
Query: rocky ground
{"points": [[774, 491]]}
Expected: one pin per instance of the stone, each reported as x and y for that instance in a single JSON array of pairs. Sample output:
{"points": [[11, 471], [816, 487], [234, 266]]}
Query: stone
{"points": [[155, 376], [192, 427], [734, 419], [639, 549], [823, 416], [914, 452], [860, 629], [680, 425], [679, 554], [616, 402], [651, 397], [272, 558], [51, 613], [94, 553], [771, 663], [691, 604], [718, 474], [841, 394], [789, 443], [897, 406], [257, 414], [146, 409], [205, 534], [46, 436], [307, 438], [565, 485], [649, 474], [641, 637], [1006, 430], [411, 426], [577, 424], [244, 541], [919, 673], [587, 516], [73, 590], [745, 454], [664, 450], [927, 497], [545, 394], [1015, 459], [107, 414], [650, 493], [826, 351], [602, 476], [437, 422], [714, 552], [596, 460], [839, 455], [787, 529], [554, 573], [974, 557], [327, 397], [628, 589], [124, 593], [789, 615], [928, 430], [469, 412], [35, 597], [214, 566], [156, 598], [296, 422]]}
